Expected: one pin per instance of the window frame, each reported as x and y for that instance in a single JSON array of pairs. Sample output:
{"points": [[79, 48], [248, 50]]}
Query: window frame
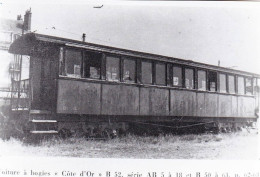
{"points": [[197, 80], [119, 65], [252, 87], [123, 58], [155, 73], [237, 76], [218, 78], [208, 81], [64, 53], [184, 75], [85, 64], [235, 83], [152, 71], [138, 73]]}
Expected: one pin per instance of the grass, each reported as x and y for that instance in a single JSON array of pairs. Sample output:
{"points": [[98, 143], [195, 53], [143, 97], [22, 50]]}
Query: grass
{"points": [[242, 145]]}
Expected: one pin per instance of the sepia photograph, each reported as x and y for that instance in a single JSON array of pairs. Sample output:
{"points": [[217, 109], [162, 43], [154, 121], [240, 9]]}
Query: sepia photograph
{"points": [[175, 80]]}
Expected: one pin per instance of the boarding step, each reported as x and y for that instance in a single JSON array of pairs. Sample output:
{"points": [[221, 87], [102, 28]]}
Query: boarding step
{"points": [[44, 132], [40, 115], [33, 111], [43, 126], [44, 121]]}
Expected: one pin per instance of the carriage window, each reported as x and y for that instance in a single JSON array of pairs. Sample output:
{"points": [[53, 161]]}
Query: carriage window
{"points": [[257, 86], [212, 85], [112, 68], [93, 65], [222, 83], [73, 63], [160, 74], [201, 80], [231, 84], [249, 87], [146, 72], [254, 86], [189, 78], [177, 76], [129, 71], [240, 85]]}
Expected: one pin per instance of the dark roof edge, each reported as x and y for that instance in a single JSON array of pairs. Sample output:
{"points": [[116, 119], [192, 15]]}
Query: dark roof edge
{"points": [[80, 44]]}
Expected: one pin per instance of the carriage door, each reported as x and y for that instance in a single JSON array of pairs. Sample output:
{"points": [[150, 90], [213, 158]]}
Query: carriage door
{"points": [[46, 84], [40, 77]]}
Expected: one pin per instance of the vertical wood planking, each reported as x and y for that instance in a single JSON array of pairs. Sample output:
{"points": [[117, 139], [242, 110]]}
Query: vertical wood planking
{"points": [[240, 106], [177, 105], [249, 107], [234, 104], [201, 106], [120, 100], [159, 102], [75, 97], [144, 101], [183, 103], [224, 106], [211, 102]]}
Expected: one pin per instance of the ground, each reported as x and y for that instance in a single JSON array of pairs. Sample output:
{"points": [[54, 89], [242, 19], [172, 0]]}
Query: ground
{"points": [[241, 145]]}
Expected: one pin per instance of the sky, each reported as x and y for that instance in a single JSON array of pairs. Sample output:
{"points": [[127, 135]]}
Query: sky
{"points": [[199, 31]]}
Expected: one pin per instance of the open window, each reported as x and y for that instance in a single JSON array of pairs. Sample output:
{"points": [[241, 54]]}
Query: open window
{"points": [[177, 76], [93, 65], [212, 78], [73, 59], [129, 70], [240, 85], [201, 80], [160, 73], [112, 68], [146, 72], [249, 86], [257, 86], [222, 83], [231, 84], [189, 78]]}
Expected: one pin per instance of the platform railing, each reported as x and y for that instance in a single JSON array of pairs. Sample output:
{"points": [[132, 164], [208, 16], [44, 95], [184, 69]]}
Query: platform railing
{"points": [[20, 95]]}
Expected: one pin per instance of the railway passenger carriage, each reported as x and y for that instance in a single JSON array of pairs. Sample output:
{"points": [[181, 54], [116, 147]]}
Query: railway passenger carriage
{"points": [[100, 90]]}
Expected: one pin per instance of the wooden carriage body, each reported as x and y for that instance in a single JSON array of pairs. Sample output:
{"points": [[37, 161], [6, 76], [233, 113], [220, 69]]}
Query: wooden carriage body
{"points": [[75, 83]]}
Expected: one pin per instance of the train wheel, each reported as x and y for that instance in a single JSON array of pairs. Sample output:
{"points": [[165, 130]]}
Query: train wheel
{"points": [[121, 132], [65, 133], [106, 133], [109, 133]]}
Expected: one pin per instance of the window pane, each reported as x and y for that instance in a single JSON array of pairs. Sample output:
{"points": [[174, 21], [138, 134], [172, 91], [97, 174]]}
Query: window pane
{"points": [[189, 78], [177, 76], [73, 63], [202, 80], [212, 81], [257, 87], [249, 88], [240, 85], [254, 85], [222, 83], [93, 65], [146, 72], [112, 68], [129, 71], [160, 74], [231, 84]]}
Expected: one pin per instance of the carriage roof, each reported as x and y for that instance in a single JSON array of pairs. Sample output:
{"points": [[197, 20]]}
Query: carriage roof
{"points": [[25, 45]]}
